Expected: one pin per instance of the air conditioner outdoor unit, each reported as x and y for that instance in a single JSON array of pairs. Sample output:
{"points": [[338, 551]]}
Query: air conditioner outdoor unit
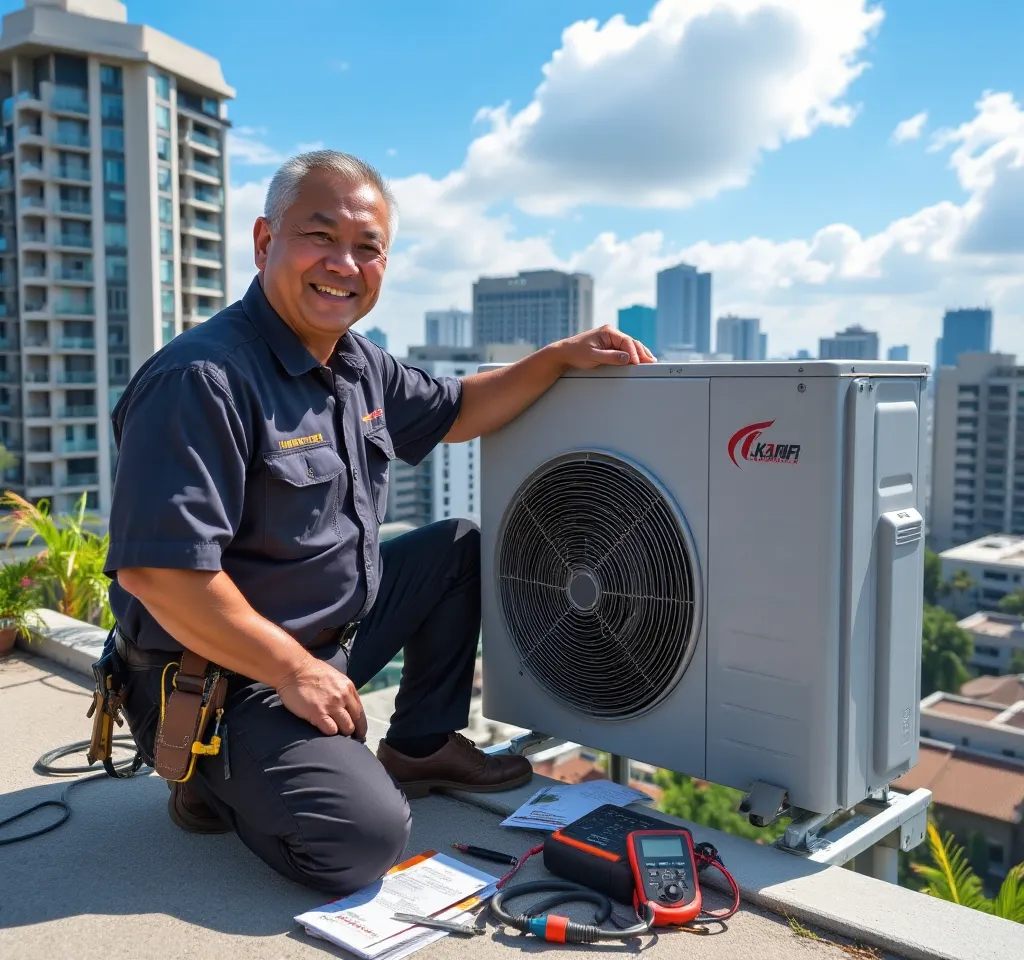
{"points": [[715, 568]]}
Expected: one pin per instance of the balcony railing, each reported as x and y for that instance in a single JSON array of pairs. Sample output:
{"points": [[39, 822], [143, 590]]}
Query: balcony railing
{"points": [[67, 138], [33, 271], [33, 203], [207, 283], [8, 104], [73, 206], [215, 197], [79, 410], [65, 308], [65, 171], [5, 179], [8, 376], [27, 132], [40, 447], [38, 413], [39, 480], [33, 236], [75, 480], [206, 168], [37, 376], [30, 166], [69, 100], [79, 446], [38, 306], [72, 240], [66, 273], [76, 376], [204, 139], [76, 343]]}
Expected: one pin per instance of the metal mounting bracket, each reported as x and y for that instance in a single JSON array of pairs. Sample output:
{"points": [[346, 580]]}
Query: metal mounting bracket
{"points": [[764, 803]]}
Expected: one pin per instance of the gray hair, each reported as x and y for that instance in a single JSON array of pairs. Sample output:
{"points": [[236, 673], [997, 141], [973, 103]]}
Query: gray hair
{"points": [[284, 185]]}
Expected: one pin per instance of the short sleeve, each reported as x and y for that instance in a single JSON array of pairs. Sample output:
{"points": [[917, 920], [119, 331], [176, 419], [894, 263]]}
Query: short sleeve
{"points": [[419, 409], [180, 478]]}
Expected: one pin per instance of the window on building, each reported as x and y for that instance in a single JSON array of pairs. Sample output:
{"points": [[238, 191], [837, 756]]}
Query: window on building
{"points": [[166, 240], [114, 203], [117, 299], [110, 77], [113, 170], [163, 148], [163, 179], [167, 271], [112, 107], [117, 268], [163, 86], [167, 331], [166, 211], [167, 302], [163, 117], [113, 139], [115, 235]]}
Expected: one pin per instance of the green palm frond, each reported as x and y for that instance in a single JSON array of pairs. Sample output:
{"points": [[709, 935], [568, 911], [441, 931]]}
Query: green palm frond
{"points": [[1009, 902], [951, 878]]}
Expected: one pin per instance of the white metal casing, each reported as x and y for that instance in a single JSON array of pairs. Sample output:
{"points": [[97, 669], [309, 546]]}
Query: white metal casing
{"points": [[807, 669]]}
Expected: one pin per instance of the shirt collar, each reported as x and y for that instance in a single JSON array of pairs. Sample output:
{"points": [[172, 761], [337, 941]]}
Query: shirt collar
{"points": [[286, 346]]}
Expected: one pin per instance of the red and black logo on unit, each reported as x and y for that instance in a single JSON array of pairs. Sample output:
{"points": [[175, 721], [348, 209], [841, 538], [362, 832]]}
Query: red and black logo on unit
{"points": [[746, 444]]}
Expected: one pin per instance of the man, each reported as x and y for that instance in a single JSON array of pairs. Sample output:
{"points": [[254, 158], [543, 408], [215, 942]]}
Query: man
{"points": [[251, 483]]}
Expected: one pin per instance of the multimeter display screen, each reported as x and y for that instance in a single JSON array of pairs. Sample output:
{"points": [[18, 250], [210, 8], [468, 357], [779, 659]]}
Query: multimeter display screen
{"points": [[661, 846]]}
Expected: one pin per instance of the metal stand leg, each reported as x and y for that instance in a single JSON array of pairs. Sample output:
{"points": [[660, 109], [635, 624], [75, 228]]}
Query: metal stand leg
{"points": [[618, 769], [884, 863]]}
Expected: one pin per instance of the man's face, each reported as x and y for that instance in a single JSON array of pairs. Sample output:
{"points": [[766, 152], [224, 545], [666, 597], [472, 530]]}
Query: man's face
{"points": [[322, 269]]}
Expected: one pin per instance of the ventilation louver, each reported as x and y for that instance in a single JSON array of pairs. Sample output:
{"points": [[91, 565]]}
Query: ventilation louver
{"points": [[598, 585]]}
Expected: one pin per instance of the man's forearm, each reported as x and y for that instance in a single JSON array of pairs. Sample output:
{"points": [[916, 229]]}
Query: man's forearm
{"points": [[207, 613], [492, 399]]}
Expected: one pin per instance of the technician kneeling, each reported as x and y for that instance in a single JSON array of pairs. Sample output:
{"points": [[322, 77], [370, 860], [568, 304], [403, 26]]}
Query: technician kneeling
{"points": [[251, 482]]}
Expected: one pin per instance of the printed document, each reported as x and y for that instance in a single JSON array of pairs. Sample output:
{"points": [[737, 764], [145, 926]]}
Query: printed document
{"points": [[554, 807], [431, 884]]}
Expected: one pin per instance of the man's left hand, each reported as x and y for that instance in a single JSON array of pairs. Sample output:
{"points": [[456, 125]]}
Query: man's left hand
{"points": [[604, 346]]}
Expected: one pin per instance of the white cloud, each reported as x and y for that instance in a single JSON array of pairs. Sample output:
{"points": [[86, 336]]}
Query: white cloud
{"points": [[898, 280], [910, 129], [392, 152], [246, 146], [675, 109]]}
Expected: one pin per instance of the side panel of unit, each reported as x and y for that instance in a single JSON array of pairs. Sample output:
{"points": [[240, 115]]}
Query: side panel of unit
{"points": [[661, 425], [775, 466], [882, 583]]}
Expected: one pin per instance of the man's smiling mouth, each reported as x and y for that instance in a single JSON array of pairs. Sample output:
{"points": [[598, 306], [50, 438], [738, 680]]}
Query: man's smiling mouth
{"points": [[335, 293]]}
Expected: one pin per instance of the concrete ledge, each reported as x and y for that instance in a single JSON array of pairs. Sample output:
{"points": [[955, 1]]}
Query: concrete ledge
{"points": [[69, 642], [878, 914]]}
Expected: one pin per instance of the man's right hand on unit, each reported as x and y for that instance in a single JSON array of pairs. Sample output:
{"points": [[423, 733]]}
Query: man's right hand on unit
{"points": [[324, 697]]}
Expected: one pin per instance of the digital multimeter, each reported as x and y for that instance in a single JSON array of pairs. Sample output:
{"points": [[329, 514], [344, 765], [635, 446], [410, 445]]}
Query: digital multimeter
{"points": [[595, 851], [665, 874]]}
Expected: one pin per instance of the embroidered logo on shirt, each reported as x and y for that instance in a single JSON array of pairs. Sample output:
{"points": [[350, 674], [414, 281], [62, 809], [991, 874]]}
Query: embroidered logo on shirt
{"points": [[373, 416], [300, 441]]}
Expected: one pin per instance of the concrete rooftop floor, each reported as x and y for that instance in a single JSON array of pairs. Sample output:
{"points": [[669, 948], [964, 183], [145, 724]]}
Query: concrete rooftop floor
{"points": [[118, 880]]}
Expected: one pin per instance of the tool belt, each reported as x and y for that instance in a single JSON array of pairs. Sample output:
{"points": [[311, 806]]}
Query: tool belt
{"points": [[105, 711]]}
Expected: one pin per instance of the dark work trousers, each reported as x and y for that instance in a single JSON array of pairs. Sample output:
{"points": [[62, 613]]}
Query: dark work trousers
{"points": [[322, 810]]}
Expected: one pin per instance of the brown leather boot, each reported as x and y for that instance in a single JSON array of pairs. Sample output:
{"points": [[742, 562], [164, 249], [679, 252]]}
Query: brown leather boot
{"points": [[458, 765], [190, 813]]}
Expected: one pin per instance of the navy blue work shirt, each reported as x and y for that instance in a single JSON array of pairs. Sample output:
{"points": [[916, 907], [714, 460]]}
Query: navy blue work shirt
{"points": [[239, 451]]}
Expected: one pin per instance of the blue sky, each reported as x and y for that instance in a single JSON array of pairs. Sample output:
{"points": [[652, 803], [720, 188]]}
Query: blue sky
{"points": [[401, 83]]}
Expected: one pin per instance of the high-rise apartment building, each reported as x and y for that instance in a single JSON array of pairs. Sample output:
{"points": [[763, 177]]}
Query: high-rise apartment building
{"points": [[113, 227], [901, 352], [536, 307], [684, 310], [377, 336], [964, 331], [449, 328], [977, 478], [853, 343], [741, 337], [446, 483], [640, 323]]}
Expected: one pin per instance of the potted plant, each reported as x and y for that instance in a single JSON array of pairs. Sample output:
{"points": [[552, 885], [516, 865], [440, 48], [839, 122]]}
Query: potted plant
{"points": [[70, 566], [19, 599]]}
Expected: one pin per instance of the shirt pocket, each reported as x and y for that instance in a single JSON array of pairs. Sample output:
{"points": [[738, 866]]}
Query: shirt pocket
{"points": [[302, 500], [379, 454]]}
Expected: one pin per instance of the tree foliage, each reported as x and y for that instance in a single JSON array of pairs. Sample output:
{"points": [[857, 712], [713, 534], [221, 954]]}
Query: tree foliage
{"points": [[710, 805], [945, 648], [1013, 603]]}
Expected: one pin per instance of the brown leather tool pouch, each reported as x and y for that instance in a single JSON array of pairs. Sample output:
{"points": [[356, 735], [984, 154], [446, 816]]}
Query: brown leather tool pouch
{"points": [[198, 690]]}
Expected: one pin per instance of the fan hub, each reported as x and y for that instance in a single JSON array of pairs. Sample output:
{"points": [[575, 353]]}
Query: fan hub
{"points": [[584, 590]]}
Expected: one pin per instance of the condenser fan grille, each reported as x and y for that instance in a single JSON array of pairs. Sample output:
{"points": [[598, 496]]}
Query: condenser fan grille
{"points": [[597, 583]]}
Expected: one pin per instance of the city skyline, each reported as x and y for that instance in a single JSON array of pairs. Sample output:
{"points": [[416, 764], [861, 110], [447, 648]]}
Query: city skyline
{"points": [[876, 191]]}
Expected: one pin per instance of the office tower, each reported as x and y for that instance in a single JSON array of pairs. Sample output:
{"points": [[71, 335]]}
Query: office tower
{"points": [[964, 331], [446, 483], [377, 336], [977, 472], [803, 355], [853, 343], [113, 227], [684, 309], [536, 307], [449, 328], [640, 323], [741, 337], [763, 346], [901, 352]]}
